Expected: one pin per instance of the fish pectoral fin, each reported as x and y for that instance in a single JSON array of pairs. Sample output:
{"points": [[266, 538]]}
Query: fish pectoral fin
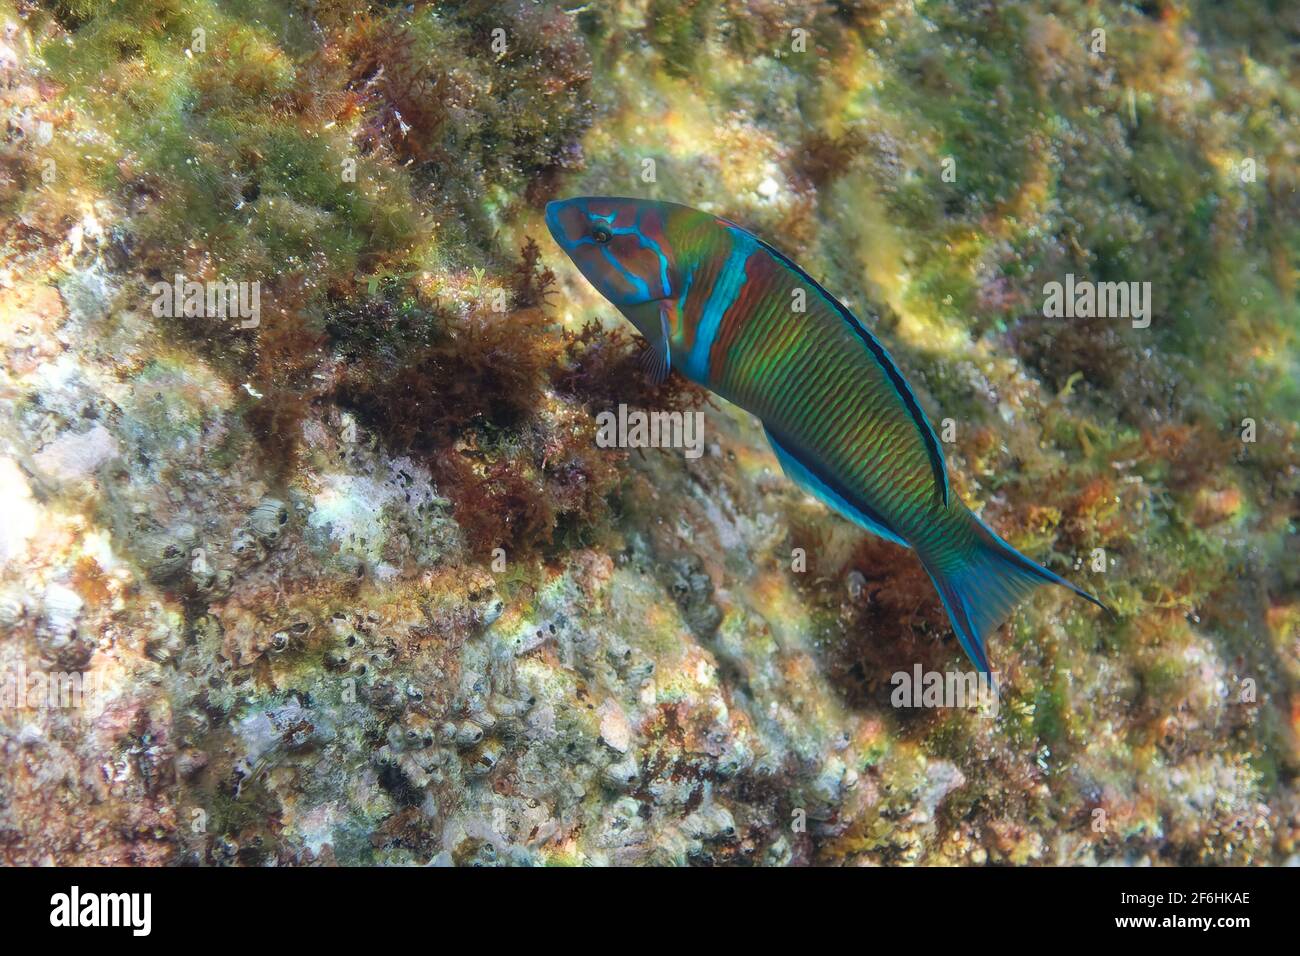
{"points": [[656, 358], [656, 362], [824, 491]]}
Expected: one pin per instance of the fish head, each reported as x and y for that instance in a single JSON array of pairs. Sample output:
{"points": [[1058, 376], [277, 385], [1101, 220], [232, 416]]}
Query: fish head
{"points": [[619, 245]]}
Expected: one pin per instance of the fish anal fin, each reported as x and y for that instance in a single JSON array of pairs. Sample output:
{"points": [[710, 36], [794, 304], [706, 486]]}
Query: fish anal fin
{"points": [[803, 475]]}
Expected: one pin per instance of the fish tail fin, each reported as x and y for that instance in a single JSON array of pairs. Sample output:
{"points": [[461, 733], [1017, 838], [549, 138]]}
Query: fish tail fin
{"points": [[983, 583]]}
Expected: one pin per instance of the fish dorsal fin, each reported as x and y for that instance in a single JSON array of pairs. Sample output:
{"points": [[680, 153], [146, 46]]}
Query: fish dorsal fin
{"points": [[933, 449]]}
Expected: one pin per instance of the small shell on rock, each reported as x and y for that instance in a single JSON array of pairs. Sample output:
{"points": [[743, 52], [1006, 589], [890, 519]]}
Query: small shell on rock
{"points": [[222, 583], [162, 644], [710, 822], [203, 579], [13, 608], [504, 706], [166, 554], [468, 734], [246, 548], [483, 759], [60, 608], [224, 850], [352, 565], [417, 738], [622, 775], [268, 520], [490, 613]]}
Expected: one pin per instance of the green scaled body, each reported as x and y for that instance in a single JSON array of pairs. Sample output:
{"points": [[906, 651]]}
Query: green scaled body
{"points": [[735, 315]]}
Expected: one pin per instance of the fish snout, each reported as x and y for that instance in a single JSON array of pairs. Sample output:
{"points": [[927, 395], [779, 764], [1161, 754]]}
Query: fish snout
{"points": [[566, 222], [553, 219]]}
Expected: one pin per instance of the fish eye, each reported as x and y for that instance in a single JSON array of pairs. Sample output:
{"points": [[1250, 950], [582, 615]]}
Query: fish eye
{"points": [[600, 232]]}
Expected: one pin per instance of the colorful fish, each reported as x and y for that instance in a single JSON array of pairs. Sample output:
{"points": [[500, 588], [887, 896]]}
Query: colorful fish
{"points": [[731, 313]]}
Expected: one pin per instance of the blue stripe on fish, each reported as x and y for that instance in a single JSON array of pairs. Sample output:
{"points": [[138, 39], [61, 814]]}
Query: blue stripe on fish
{"points": [[725, 289], [687, 281], [648, 243], [634, 280]]}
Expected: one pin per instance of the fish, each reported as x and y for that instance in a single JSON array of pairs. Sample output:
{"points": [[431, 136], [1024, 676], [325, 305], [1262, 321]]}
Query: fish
{"points": [[733, 314]]}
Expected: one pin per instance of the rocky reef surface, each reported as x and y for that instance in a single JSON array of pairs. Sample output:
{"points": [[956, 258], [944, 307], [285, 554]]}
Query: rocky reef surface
{"points": [[346, 577]]}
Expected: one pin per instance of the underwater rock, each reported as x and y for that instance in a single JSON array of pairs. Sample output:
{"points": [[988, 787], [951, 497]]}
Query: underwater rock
{"points": [[76, 455], [692, 589]]}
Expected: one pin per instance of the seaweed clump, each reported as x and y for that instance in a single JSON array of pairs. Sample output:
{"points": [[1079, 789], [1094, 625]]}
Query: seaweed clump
{"points": [[602, 367], [882, 612], [309, 157], [497, 93], [474, 400]]}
